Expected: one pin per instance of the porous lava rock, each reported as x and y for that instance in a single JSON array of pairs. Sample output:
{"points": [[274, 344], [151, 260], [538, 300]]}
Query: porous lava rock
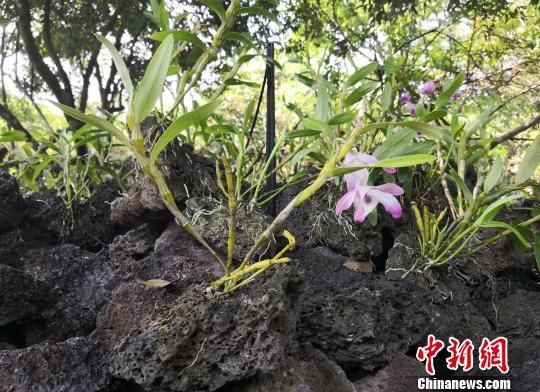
{"points": [[21, 296], [11, 202], [80, 283], [194, 343], [400, 375], [187, 175], [305, 370], [73, 365], [357, 320], [211, 218]]}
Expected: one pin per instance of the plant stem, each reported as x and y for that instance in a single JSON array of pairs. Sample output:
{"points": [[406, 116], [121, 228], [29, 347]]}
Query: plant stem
{"points": [[232, 213]]}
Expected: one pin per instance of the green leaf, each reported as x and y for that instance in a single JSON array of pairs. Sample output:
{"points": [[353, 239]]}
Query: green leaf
{"points": [[402, 161], [12, 136], [179, 36], [302, 133], [530, 162], [4, 21], [239, 37], [446, 95], [494, 174], [493, 209], [118, 63], [461, 185], [148, 91], [317, 156], [394, 144], [220, 128], [386, 97], [258, 11], [342, 118], [181, 123], [434, 115], [305, 80], [427, 130], [359, 92], [503, 225], [42, 166], [95, 121], [217, 7], [238, 82], [322, 107], [361, 74], [174, 69], [313, 123]]}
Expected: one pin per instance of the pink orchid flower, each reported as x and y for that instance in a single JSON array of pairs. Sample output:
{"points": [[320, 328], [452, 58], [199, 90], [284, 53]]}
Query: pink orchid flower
{"points": [[412, 108], [428, 88], [360, 159], [366, 197], [405, 97]]}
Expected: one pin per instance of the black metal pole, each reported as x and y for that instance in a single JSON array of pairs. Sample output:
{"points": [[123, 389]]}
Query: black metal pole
{"points": [[270, 125]]}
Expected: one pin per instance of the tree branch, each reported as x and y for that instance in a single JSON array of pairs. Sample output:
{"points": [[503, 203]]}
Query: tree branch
{"points": [[107, 27], [36, 59], [51, 51], [516, 131]]}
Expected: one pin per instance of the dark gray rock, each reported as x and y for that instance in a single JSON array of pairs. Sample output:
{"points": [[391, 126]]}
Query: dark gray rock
{"points": [[12, 205], [72, 366], [134, 245], [187, 175], [192, 343], [305, 370], [516, 316], [211, 218], [357, 320], [401, 375], [21, 295], [80, 283]]}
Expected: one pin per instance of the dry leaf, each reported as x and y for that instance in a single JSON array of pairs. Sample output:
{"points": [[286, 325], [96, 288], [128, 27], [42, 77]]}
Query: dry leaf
{"points": [[155, 283], [358, 266]]}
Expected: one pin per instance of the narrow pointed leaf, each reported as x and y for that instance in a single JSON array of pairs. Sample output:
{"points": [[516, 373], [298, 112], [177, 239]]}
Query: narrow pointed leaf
{"points": [[118, 63], [179, 36], [217, 7], [359, 93], [342, 118], [181, 123], [95, 121], [258, 11], [361, 74], [427, 130], [148, 91], [530, 162], [446, 95]]}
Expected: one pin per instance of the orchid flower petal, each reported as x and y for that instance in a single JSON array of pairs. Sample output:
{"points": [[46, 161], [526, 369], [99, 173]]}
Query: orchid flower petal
{"points": [[428, 88], [391, 188], [390, 203], [345, 202], [363, 206], [357, 179]]}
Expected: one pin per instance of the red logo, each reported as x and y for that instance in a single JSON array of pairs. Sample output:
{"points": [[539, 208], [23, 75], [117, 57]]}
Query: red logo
{"points": [[429, 352], [491, 354], [461, 354], [494, 353]]}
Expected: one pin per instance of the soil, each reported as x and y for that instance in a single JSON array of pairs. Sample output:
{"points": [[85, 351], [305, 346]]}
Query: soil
{"points": [[74, 315]]}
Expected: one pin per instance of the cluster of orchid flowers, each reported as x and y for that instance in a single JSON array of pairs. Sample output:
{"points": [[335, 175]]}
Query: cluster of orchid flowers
{"points": [[426, 89], [364, 197]]}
